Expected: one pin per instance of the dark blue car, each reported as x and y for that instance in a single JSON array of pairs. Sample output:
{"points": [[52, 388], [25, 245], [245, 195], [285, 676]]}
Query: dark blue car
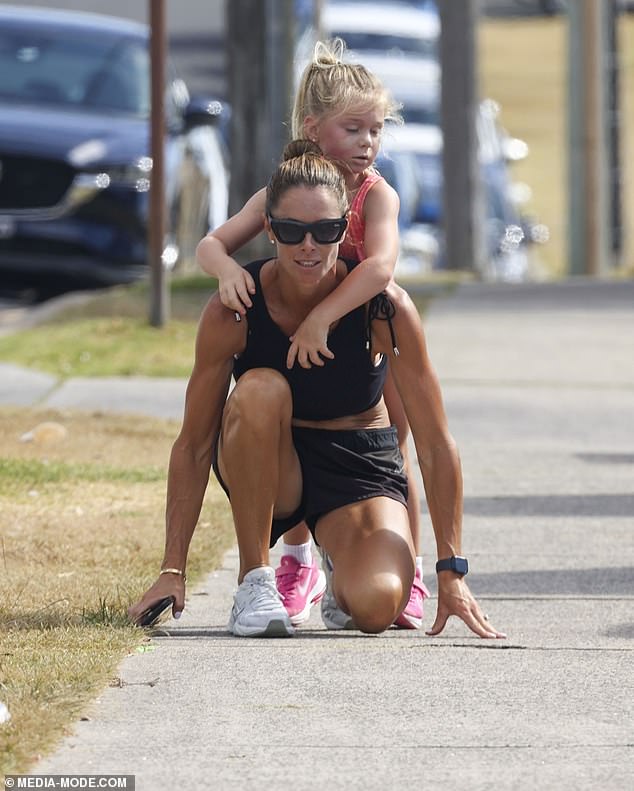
{"points": [[75, 168]]}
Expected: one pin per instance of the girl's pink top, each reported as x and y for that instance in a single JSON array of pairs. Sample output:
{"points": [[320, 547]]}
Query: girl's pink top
{"points": [[352, 246]]}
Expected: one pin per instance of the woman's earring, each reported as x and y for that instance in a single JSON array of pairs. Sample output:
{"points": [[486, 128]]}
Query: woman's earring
{"points": [[272, 241]]}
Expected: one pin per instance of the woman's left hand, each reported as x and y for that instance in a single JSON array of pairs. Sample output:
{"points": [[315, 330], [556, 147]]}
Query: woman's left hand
{"points": [[455, 598], [309, 344]]}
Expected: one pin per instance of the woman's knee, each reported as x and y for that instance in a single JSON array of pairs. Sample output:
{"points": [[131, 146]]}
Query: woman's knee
{"points": [[375, 602], [260, 396]]}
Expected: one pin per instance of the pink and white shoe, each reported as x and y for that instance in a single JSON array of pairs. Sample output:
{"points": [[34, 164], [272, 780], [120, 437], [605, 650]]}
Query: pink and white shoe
{"points": [[412, 615], [299, 587]]}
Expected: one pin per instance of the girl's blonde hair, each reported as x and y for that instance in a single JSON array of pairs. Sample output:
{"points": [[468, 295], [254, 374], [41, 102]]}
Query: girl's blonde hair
{"points": [[330, 86], [304, 165]]}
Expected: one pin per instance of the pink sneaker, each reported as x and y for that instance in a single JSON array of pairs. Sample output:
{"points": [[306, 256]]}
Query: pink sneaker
{"points": [[299, 587], [412, 615]]}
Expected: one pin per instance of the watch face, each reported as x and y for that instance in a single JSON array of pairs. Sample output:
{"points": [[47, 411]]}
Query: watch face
{"points": [[460, 565]]}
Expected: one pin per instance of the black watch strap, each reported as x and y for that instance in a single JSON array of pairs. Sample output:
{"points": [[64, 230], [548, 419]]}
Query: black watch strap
{"points": [[456, 563]]}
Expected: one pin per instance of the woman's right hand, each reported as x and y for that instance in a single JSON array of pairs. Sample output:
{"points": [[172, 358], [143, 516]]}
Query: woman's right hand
{"points": [[234, 287], [166, 585]]}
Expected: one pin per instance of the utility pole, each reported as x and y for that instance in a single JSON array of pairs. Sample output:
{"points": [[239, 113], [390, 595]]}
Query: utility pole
{"points": [[159, 287], [613, 120], [463, 216], [318, 9], [588, 150], [260, 59]]}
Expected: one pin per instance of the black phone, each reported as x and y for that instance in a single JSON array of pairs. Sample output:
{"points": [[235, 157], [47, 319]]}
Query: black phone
{"points": [[152, 615]]}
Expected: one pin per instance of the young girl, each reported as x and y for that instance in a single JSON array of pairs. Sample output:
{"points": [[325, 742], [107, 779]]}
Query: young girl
{"points": [[342, 108]]}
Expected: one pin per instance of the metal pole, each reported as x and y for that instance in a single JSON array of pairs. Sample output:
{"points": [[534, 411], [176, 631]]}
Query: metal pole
{"points": [[159, 302], [588, 181], [260, 86], [318, 7], [280, 23], [462, 203], [613, 132]]}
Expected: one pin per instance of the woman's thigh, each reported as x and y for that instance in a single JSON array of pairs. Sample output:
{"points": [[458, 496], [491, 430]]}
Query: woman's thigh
{"points": [[368, 538], [256, 443]]}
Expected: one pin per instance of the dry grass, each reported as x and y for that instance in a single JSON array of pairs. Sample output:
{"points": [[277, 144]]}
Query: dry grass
{"points": [[524, 67], [81, 536]]}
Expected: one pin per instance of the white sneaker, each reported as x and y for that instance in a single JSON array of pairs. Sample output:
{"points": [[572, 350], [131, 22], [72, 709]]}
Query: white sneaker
{"points": [[332, 615], [257, 608]]}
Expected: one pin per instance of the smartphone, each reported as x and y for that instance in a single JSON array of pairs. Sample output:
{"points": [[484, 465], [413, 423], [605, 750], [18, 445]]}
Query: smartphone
{"points": [[152, 615]]}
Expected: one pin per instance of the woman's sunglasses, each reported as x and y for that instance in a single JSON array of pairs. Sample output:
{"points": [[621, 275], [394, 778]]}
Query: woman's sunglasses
{"points": [[322, 231]]}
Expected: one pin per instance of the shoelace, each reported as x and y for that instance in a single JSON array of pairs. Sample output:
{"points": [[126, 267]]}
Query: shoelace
{"points": [[285, 582], [288, 581], [262, 590]]}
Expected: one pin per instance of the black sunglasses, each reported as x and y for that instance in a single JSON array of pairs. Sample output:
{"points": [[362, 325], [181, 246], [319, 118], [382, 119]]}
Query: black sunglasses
{"points": [[322, 231]]}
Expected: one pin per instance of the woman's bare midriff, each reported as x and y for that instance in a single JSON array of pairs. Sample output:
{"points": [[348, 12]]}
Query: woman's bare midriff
{"points": [[375, 417]]}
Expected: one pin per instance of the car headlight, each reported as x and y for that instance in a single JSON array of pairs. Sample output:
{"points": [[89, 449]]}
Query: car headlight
{"points": [[135, 175]]}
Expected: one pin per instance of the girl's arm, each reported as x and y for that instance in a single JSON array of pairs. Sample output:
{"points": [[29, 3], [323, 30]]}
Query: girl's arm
{"points": [[367, 279], [214, 252]]}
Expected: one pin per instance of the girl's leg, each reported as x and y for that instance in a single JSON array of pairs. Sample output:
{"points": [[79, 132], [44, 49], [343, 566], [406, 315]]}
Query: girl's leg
{"points": [[412, 616], [398, 418], [299, 580], [298, 535], [370, 546]]}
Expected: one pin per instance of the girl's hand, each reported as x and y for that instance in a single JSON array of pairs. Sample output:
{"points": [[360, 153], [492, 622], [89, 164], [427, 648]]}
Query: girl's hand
{"points": [[455, 598], [308, 343], [234, 287]]}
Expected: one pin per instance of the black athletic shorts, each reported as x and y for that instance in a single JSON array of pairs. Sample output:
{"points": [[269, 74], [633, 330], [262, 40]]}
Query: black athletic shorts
{"points": [[340, 468]]}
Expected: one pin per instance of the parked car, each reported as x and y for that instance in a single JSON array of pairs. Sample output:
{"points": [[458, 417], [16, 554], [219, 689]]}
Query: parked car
{"points": [[379, 35], [411, 160], [75, 164]]}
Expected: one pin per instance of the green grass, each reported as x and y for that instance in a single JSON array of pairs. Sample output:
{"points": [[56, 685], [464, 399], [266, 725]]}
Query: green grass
{"points": [[18, 472], [114, 346], [109, 334]]}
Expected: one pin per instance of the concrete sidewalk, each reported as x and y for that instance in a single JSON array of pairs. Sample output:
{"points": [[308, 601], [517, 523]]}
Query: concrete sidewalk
{"points": [[539, 386]]}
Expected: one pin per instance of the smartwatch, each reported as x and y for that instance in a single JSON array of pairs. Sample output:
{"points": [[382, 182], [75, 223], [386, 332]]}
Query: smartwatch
{"points": [[456, 563]]}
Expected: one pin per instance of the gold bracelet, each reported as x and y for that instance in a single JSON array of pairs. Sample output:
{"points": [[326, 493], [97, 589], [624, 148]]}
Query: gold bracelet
{"points": [[180, 573]]}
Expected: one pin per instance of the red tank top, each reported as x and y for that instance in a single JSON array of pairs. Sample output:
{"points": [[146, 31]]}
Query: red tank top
{"points": [[352, 246]]}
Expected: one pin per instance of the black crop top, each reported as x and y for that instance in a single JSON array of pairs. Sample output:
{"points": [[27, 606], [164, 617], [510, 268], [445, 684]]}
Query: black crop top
{"points": [[347, 385]]}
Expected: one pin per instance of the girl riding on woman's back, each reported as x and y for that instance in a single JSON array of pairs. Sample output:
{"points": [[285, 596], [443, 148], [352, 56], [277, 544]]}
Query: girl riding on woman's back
{"points": [[342, 107]]}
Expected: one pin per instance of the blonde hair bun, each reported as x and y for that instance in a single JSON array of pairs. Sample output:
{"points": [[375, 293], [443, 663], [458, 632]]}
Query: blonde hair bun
{"points": [[330, 86]]}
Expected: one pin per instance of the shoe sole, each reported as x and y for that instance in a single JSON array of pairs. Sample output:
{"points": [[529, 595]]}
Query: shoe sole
{"points": [[405, 622], [316, 595], [276, 627], [333, 626]]}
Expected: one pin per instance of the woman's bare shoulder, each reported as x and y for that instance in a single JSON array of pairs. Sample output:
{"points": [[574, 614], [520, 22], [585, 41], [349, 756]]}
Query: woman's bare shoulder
{"points": [[221, 329]]}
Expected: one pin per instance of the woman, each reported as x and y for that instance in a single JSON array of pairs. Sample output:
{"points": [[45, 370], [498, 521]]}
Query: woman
{"points": [[314, 444]]}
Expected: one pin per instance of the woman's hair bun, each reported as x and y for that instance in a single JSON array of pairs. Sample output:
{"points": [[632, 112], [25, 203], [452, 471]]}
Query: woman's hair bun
{"points": [[297, 148]]}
